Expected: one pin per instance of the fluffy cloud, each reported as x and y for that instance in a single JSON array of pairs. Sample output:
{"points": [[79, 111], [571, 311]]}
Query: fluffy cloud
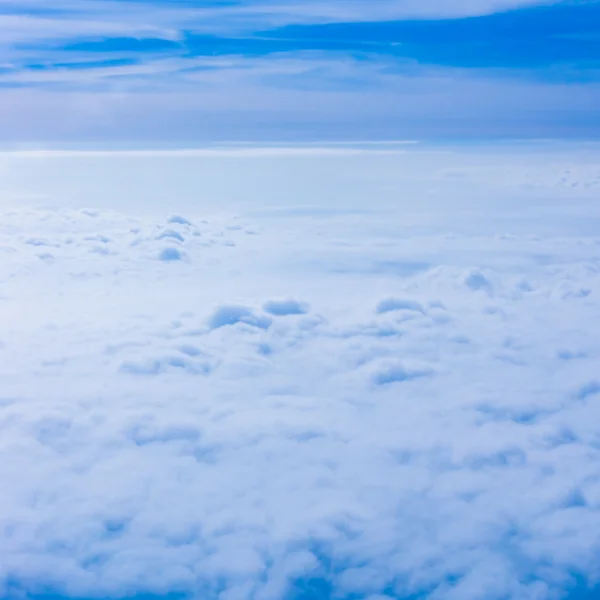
{"points": [[284, 414]]}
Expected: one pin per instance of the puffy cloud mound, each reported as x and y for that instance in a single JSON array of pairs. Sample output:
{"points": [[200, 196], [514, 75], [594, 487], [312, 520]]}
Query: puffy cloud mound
{"points": [[232, 315], [171, 255], [287, 307]]}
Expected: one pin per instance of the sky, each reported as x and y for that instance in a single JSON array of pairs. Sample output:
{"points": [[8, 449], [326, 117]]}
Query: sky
{"points": [[187, 71], [299, 300]]}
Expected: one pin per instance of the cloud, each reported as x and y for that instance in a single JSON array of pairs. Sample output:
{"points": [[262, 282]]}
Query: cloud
{"points": [[25, 28], [171, 255], [287, 307], [394, 304], [373, 435], [232, 315]]}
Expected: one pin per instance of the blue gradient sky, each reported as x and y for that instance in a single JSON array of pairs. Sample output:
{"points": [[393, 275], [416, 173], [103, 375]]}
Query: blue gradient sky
{"points": [[182, 71]]}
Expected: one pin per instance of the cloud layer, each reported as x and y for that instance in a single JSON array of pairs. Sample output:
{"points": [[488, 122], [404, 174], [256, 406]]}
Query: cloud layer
{"points": [[302, 406]]}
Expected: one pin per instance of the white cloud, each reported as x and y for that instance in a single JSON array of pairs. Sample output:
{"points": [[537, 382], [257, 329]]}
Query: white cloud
{"points": [[29, 28], [286, 409]]}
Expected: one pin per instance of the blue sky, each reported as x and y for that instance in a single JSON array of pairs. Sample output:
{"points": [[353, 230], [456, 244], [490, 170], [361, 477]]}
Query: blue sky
{"points": [[265, 70]]}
